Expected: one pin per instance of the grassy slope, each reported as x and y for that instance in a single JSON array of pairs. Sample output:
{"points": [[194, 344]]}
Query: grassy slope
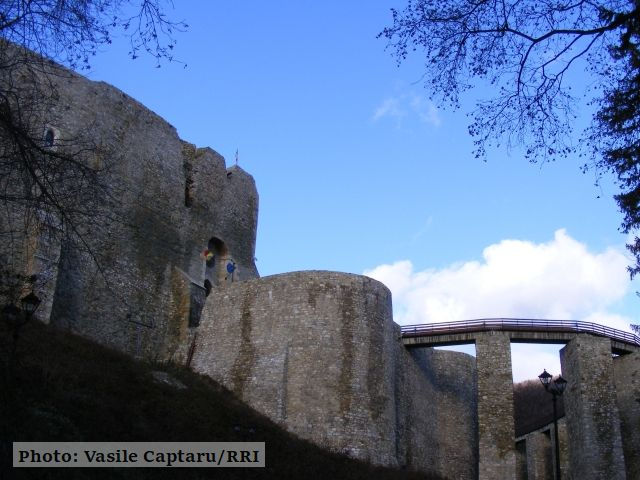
{"points": [[65, 388]]}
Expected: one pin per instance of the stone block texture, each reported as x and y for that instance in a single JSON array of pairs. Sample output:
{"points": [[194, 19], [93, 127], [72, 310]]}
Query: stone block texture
{"points": [[496, 432], [564, 448], [172, 200], [590, 399], [539, 456], [626, 369], [521, 460], [452, 402], [319, 353], [171, 276], [535, 453]]}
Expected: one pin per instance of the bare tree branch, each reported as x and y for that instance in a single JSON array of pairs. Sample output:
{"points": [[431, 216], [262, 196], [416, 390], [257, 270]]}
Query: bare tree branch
{"points": [[60, 185], [525, 49]]}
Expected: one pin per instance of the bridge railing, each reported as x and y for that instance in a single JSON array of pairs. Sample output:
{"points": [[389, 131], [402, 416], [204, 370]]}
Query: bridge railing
{"points": [[532, 325]]}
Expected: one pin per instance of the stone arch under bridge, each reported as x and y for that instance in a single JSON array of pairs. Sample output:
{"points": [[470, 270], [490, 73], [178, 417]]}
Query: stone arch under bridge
{"points": [[602, 400]]}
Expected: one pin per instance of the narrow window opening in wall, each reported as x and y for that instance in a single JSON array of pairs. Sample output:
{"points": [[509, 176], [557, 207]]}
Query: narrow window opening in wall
{"points": [[188, 184], [188, 194], [49, 138]]}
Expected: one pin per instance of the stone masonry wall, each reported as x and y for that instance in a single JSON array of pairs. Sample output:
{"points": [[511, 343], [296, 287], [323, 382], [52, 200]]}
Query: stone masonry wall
{"points": [[626, 369], [593, 423], [313, 351], [316, 351], [416, 441], [452, 378], [496, 431], [539, 455], [538, 449], [564, 447], [319, 353], [172, 199]]}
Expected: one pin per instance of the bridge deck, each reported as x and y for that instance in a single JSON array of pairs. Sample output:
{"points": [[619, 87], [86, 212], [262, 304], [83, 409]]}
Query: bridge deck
{"points": [[519, 330]]}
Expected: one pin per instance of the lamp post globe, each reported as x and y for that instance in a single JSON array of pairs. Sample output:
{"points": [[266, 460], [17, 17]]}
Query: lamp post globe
{"points": [[559, 385], [545, 378]]}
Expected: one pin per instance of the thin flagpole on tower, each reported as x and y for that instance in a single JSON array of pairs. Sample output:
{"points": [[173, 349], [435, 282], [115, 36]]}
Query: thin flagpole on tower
{"points": [[237, 156]]}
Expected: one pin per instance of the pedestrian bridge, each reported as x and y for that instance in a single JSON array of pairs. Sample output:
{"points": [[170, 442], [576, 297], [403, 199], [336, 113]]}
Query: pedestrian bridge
{"points": [[590, 397], [517, 330]]}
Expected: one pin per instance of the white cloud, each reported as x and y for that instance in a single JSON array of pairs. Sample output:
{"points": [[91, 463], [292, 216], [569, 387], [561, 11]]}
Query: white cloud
{"points": [[391, 107], [528, 360], [426, 111], [560, 279], [408, 106]]}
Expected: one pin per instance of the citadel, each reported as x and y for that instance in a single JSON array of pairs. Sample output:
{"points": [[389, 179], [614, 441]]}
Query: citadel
{"points": [[316, 351]]}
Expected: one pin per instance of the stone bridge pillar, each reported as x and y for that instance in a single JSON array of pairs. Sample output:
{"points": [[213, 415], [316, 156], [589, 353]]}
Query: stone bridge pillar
{"points": [[627, 371], [495, 407], [593, 422]]}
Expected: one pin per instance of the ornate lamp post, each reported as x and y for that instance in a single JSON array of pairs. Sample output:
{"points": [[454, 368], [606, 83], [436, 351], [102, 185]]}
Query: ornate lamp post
{"points": [[555, 388]]}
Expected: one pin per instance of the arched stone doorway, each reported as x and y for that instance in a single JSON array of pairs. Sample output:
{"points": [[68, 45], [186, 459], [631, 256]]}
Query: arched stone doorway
{"points": [[216, 259]]}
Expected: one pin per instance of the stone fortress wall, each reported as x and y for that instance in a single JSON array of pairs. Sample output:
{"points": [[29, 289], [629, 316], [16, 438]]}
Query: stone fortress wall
{"points": [[626, 370], [174, 200], [318, 352], [598, 436]]}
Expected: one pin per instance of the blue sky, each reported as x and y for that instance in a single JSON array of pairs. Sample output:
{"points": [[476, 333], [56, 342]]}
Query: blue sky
{"points": [[358, 171]]}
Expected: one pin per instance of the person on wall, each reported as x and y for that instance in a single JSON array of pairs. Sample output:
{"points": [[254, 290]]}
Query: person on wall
{"points": [[231, 268]]}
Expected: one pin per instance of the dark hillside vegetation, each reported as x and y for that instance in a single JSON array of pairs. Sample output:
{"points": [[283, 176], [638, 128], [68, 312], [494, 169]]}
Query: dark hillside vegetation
{"points": [[65, 388], [533, 406]]}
